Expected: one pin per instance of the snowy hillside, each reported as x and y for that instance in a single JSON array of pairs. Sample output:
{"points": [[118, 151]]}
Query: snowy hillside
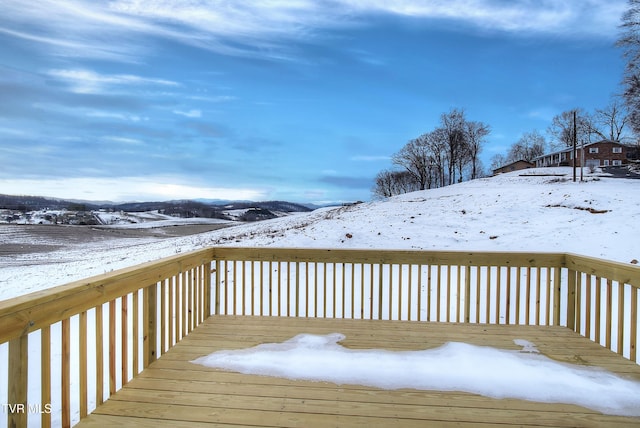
{"points": [[505, 213]]}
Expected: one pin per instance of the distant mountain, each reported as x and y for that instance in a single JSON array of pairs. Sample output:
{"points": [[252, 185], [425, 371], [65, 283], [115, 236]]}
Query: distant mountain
{"points": [[32, 203], [181, 208], [220, 201], [268, 205]]}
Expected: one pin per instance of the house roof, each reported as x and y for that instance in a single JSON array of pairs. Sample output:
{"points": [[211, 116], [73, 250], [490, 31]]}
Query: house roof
{"points": [[513, 163]]}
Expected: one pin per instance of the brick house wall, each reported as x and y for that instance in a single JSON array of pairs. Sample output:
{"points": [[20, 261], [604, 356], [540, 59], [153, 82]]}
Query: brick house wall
{"points": [[601, 153]]}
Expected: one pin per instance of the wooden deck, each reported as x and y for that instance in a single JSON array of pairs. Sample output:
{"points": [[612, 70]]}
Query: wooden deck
{"points": [[173, 392]]}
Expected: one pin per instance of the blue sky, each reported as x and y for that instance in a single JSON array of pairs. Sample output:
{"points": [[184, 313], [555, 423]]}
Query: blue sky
{"points": [[297, 100]]}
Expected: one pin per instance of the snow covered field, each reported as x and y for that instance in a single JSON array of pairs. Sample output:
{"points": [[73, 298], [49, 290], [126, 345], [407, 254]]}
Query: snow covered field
{"points": [[511, 212]]}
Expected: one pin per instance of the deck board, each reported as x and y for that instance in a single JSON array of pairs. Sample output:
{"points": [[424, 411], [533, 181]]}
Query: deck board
{"points": [[175, 392]]}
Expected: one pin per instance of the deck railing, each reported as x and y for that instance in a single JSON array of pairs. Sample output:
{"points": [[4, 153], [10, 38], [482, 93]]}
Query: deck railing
{"points": [[71, 347], [90, 337]]}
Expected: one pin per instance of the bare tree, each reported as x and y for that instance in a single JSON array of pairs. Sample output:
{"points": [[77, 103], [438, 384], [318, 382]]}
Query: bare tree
{"points": [[497, 161], [463, 160], [437, 143], [475, 135], [383, 187], [528, 147], [391, 183], [414, 158], [561, 128], [404, 182], [629, 41], [453, 127], [613, 120]]}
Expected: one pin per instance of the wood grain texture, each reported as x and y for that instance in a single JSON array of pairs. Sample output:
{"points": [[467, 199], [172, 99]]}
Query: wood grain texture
{"points": [[174, 392]]}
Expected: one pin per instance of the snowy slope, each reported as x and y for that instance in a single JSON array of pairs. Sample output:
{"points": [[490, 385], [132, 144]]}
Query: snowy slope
{"points": [[509, 212], [505, 213]]}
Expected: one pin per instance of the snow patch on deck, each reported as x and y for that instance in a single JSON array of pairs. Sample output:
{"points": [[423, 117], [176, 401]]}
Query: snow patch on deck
{"points": [[497, 373]]}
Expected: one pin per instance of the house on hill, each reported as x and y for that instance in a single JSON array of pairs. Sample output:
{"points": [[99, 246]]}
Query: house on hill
{"points": [[513, 166], [597, 154]]}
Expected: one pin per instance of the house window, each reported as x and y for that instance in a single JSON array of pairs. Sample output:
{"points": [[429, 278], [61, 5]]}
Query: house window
{"points": [[617, 150], [564, 156], [606, 162], [617, 162], [593, 150]]}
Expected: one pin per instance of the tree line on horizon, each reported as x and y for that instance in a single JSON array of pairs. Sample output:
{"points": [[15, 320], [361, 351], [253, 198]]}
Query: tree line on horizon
{"points": [[450, 152]]}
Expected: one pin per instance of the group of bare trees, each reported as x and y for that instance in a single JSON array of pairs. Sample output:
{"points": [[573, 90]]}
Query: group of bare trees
{"points": [[610, 123], [446, 155]]}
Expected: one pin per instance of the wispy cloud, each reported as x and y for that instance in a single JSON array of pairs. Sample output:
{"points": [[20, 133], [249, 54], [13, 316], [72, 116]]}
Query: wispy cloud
{"points": [[110, 30], [586, 17], [13, 132], [213, 98], [115, 115], [76, 111], [189, 113], [71, 28], [89, 82], [369, 158], [303, 17], [123, 140]]}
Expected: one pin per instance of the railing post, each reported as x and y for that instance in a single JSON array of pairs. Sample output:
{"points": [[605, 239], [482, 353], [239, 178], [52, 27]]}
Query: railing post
{"points": [[207, 290], [83, 365], [571, 299], [467, 294], [66, 373], [45, 373], [620, 345], [112, 347], [149, 324], [633, 352], [578, 305], [556, 295], [298, 291], [218, 303], [17, 394], [380, 287]]}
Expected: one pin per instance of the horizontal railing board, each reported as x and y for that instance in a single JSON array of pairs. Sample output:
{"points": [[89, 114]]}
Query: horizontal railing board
{"points": [[624, 273], [404, 257]]}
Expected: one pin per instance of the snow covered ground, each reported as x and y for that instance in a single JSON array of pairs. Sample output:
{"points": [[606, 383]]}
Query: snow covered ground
{"points": [[125, 218], [511, 212]]}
